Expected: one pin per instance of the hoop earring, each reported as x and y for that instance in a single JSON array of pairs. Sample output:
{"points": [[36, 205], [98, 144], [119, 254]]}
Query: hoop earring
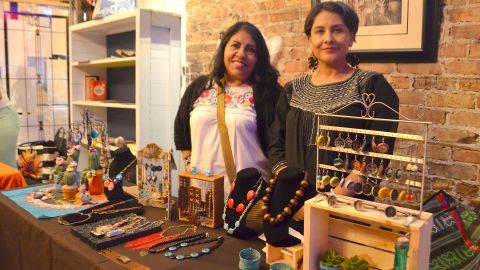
{"points": [[352, 60], [312, 62]]}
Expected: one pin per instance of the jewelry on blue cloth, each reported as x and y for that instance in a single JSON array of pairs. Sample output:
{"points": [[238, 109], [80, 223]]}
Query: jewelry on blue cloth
{"points": [[206, 250]]}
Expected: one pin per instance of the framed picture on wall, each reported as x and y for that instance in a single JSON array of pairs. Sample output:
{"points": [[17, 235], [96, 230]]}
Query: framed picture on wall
{"points": [[395, 30], [104, 8]]}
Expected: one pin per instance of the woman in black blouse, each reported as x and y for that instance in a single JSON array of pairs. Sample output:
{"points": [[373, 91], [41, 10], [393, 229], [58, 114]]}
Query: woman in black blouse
{"points": [[335, 86]]}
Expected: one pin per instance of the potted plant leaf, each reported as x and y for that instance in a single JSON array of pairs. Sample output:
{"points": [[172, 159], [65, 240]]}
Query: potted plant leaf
{"points": [[331, 261], [93, 176], [355, 263], [70, 182], [56, 174]]}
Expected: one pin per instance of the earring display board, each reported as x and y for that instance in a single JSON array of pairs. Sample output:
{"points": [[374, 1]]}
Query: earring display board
{"points": [[200, 199], [154, 176], [358, 226]]}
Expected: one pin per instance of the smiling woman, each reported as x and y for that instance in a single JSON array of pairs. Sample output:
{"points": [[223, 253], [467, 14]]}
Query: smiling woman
{"points": [[334, 85], [245, 85]]}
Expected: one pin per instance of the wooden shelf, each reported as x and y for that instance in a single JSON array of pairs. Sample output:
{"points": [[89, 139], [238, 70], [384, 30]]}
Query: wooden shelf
{"points": [[103, 104], [108, 63], [373, 132], [118, 23]]}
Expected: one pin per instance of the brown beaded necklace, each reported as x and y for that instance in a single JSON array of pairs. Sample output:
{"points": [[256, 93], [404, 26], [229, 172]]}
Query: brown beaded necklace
{"points": [[288, 210]]}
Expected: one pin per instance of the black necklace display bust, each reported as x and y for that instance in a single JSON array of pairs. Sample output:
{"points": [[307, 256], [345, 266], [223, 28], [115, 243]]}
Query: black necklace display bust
{"points": [[121, 166], [248, 180]]}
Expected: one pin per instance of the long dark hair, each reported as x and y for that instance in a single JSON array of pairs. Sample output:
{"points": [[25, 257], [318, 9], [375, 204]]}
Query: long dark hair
{"points": [[349, 17], [263, 73]]}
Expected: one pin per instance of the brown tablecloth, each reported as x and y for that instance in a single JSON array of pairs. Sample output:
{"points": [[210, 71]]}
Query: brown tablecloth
{"points": [[10, 178], [29, 243]]}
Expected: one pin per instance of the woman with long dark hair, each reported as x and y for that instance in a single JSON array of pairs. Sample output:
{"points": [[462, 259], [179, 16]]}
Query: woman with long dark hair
{"points": [[242, 71]]}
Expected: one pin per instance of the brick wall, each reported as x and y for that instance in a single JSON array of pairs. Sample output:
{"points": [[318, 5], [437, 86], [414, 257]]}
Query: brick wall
{"points": [[449, 89]]}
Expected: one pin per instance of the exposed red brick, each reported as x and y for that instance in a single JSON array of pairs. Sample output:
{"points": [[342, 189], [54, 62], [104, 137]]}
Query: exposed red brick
{"points": [[474, 51], [451, 100], [400, 82], [464, 14], [465, 32], [452, 50], [444, 134], [467, 190], [384, 68], [429, 115], [453, 171], [411, 97], [468, 156], [420, 68]]}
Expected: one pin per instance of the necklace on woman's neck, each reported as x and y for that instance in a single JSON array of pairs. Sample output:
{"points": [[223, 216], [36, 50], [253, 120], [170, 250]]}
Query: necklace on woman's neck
{"points": [[108, 182]]}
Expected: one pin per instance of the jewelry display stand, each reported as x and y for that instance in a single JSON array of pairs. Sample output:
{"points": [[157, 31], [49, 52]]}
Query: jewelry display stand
{"points": [[359, 227], [200, 199], [154, 177]]}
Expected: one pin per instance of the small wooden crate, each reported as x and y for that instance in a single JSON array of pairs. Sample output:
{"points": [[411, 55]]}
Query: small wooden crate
{"points": [[368, 234], [291, 255], [200, 199]]}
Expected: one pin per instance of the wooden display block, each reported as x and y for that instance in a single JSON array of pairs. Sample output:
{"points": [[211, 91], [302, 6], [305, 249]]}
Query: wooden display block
{"points": [[367, 233], [200, 199], [291, 255]]}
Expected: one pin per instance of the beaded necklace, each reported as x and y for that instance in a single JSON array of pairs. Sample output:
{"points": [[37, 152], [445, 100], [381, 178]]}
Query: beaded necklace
{"points": [[187, 238], [98, 211], [108, 182], [288, 210], [203, 251], [240, 208], [158, 238]]}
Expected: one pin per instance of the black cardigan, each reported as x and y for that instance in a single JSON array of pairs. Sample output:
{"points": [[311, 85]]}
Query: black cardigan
{"points": [[265, 102]]}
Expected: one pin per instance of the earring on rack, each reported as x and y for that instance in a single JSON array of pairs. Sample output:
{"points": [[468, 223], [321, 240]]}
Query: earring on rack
{"points": [[326, 178], [382, 147], [347, 162], [367, 188], [373, 144], [320, 139], [338, 162], [339, 141], [334, 181], [348, 141], [364, 164], [372, 168], [380, 169], [356, 165], [356, 144], [342, 180]]}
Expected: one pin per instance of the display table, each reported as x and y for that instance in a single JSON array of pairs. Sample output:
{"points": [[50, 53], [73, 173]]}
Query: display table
{"points": [[29, 243], [10, 178]]}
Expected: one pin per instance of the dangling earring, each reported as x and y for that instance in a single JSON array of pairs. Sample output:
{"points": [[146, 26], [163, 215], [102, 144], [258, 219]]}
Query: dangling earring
{"points": [[352, 60], [312, 62]]}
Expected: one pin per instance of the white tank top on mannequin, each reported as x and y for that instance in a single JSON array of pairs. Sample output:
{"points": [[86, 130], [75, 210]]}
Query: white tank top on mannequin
{"points": [[241, 122]]}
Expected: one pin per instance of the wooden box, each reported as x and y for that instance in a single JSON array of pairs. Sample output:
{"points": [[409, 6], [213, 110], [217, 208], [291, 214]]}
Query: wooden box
{"points": [[291, 255], [200, 199], [367, 233]]}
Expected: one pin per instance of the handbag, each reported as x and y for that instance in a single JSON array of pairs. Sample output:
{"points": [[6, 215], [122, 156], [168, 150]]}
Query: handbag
{"points": [[455, 233], [60, 141], [255, 216], [36, 159]]}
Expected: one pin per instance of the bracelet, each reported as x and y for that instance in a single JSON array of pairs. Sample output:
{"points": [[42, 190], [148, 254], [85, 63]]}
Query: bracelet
{"points": [[187, 160]]}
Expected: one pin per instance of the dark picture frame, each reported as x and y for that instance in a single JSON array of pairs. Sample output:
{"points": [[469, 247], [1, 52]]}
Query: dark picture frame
{"points": [[413, 40]]}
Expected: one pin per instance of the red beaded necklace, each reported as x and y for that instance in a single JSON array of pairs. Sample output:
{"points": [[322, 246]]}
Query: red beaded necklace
{"points": [[250, 196]]}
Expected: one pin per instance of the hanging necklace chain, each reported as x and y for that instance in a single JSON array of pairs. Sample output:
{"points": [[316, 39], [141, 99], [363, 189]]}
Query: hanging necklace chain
{"points": [[124, 169], [99, 211], [206, 250]]}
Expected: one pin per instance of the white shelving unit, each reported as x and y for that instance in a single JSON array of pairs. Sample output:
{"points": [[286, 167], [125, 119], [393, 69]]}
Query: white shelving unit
{"points": [[143, 109]]}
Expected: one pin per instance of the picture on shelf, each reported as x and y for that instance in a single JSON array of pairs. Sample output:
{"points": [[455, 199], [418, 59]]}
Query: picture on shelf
{"points": [[105, 8], [89, 78], [98, 90]]}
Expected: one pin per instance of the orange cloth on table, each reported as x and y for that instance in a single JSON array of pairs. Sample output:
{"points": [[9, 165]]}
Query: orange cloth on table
{"points": [[10, 178]]}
